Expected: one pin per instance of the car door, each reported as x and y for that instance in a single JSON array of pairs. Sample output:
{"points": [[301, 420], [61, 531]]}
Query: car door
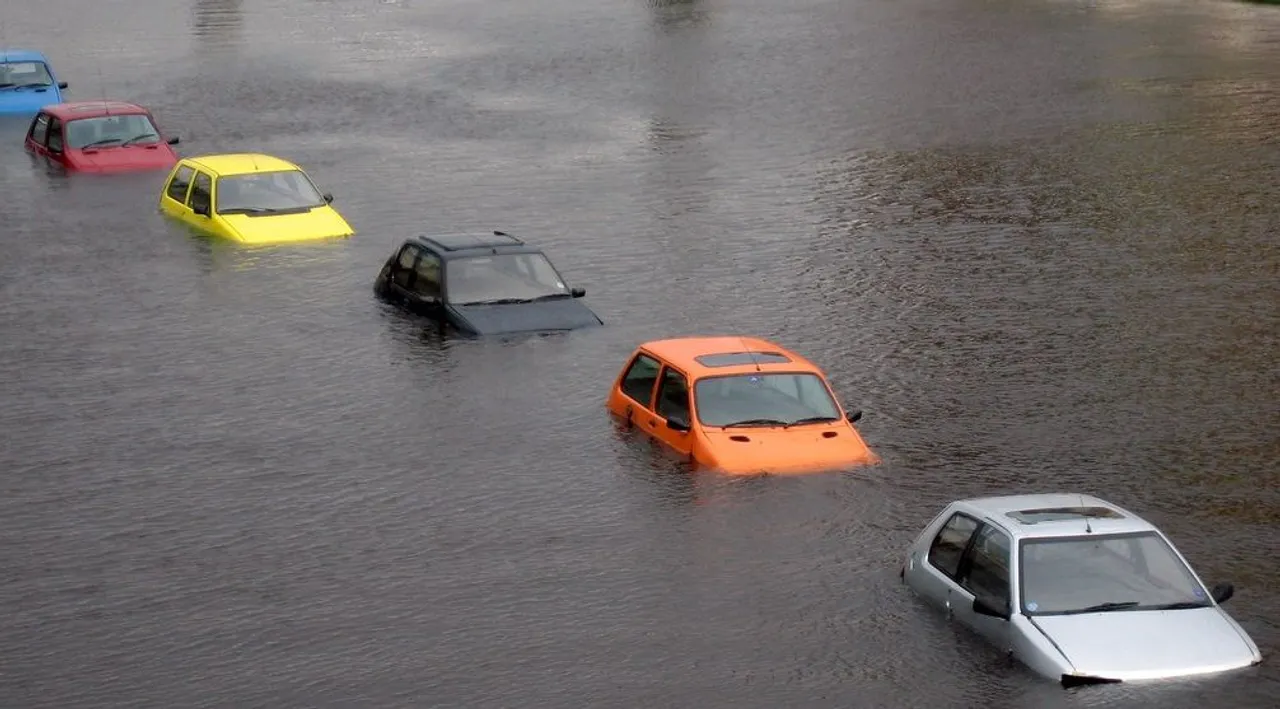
{"points": [[636, 387], [199, 212], [38, 133], [54, 143], [671, 406], [984, 573], [403, 273], [425, 291], [174, 199], [943, 563]]}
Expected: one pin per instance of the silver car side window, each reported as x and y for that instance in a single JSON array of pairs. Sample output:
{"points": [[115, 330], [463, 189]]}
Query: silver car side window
{"points": [[948, 546]]}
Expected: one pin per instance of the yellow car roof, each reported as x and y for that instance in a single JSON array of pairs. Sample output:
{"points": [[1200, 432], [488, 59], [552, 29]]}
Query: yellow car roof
{"points": [[241, 163]]}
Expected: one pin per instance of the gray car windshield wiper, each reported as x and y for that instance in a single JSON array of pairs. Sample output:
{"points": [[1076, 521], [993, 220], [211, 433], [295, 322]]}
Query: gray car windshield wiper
{"points": [[136, 138], [1104, 607], [755, 422], [35, 85], [812, 419], [500, 301], [550, 296]]}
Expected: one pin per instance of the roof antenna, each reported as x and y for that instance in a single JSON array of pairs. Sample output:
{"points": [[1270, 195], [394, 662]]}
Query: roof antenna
{"points": [[750, 354], [1084, 512], [102, 89]]}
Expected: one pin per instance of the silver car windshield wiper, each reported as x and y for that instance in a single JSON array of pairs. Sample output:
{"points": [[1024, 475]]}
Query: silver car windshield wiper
{"points": [[1104, 607], [1180, 605]]}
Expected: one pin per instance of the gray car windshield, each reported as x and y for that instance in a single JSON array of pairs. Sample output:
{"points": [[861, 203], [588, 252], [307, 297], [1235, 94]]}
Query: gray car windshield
{"points": [[502, 278], [111, 131], [1101, 573], [763, 399], [24, 74], [266, 192]]}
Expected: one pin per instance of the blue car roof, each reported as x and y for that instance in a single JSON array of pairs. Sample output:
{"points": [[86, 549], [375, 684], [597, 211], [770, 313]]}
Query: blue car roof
{"points": [[22, 55]]}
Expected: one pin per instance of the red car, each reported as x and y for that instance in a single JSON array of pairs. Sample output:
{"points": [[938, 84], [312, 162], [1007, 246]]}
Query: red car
{"points": [[100, 136]]}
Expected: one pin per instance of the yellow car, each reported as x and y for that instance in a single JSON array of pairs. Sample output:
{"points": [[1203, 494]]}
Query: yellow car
{"points": [[250, 198]]}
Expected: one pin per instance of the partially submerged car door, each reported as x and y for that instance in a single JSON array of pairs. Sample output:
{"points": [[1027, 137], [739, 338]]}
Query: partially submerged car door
{"points": [[174, 199], [199, 212], [967, 559], [636, 388], [54, 144], [672, 423], [38, 134]]}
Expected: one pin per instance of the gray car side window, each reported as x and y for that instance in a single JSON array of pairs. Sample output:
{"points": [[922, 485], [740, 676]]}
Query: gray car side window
{"points": [[988, 572], [948, 546]]}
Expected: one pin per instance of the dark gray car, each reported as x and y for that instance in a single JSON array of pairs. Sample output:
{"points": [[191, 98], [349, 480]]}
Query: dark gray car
{"points": [[482, 284]]}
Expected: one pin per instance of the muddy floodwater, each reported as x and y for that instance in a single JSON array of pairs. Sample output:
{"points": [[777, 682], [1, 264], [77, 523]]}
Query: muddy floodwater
{"points": [[1036, 242]]}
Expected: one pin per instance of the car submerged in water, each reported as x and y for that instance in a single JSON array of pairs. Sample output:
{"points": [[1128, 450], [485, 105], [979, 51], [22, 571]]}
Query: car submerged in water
{"points": [[482, 284], [738, 406], [27, 82], [100, 136], [1076, 588]]}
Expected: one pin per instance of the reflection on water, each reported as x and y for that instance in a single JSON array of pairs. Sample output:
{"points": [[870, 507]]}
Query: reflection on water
{"points": [[678, 14], [217, 23]]}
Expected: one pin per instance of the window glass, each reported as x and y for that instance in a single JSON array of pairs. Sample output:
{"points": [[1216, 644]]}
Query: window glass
{"points": [[109, 131], [404, 273], [200, 188], [673, 395], [493, 277], [988, 573], [177, 189], [24, 74], [427, 281], [1071, 574], [267, 191], [787, 398], [55, 135], [638, 382], [40, 128], [948, 546]]}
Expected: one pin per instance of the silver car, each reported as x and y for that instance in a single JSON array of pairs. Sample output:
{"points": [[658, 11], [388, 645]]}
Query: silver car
{"points": [[1076, 588]]}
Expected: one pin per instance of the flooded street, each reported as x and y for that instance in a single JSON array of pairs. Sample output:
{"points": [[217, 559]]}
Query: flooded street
{"points": [[1036, 242]]}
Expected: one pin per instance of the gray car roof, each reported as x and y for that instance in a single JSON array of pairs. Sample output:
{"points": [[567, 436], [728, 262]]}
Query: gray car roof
{"points": [[1009, 513]]}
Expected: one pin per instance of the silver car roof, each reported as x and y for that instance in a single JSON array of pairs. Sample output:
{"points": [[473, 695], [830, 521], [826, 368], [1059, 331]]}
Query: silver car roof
{"points": [[1059, 514]]}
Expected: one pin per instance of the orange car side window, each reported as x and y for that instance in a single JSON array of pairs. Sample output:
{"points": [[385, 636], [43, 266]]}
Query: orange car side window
{"points": [[673, 396], [639, 379]]}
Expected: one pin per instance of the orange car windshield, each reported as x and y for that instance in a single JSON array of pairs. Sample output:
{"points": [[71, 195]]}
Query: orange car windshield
{"points": [[762, 399]]}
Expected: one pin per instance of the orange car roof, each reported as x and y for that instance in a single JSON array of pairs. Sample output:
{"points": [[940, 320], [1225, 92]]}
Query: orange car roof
{"points": [[756, 355]]}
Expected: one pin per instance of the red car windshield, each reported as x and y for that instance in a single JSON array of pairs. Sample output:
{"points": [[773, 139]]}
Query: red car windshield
{"points": [[108, 131]]}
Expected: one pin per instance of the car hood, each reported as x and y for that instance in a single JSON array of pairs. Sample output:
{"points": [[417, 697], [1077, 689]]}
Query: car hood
{"points": [[802, 449], [133, 157], [541, 316], [1133, 645], [317, 224], [20, 101]]}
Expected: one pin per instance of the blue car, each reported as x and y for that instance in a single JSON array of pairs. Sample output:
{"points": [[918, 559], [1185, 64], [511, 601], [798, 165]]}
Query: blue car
{"points": [[27, 83]]}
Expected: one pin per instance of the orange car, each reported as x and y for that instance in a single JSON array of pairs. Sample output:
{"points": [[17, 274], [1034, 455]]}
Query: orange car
{"points": [[739, 405]]}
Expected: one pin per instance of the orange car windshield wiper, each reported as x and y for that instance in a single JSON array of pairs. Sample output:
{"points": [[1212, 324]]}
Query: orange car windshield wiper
{"points": [[755, 422], [813, 419]]}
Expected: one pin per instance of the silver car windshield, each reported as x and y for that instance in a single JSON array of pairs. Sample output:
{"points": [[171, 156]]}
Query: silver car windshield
{"points": [[757, 399], [1098, 573], [502, 278], [265, 192]]}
